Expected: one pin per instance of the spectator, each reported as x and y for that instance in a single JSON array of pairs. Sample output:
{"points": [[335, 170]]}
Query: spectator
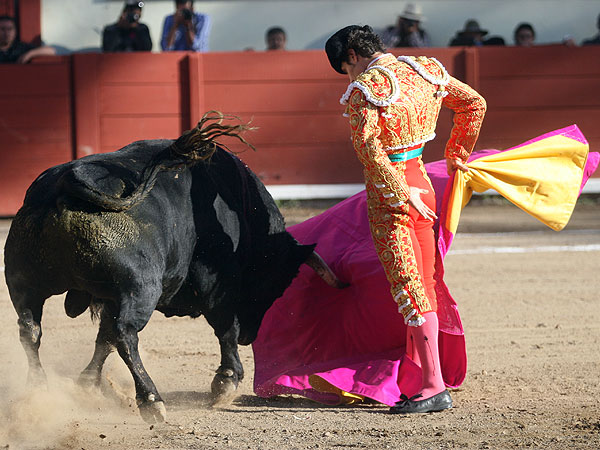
{"points": [[569, 41], [276, 38], [186, 29], [524, 35], [494, 40], [472, 35], [408, 31], [596, 39], [12, 50], [128, 34]]}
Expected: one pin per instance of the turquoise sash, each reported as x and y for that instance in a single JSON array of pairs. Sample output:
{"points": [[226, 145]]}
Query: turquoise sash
{"points": [[407, 155]]}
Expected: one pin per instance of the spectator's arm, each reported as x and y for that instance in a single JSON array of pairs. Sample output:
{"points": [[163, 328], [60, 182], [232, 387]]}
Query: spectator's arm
{"points": [[109, 40], [389, 37], [167, 41], [190, 34], [143, 39], [418, 38], [200, 43], [39, 51]]}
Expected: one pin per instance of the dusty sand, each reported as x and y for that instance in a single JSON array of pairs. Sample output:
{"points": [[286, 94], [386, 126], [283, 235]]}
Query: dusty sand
{"points": [[532, 328]]}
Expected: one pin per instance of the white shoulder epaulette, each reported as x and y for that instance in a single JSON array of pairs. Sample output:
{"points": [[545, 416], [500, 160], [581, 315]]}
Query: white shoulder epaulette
{"points": [[362, 83], [441, 81]]}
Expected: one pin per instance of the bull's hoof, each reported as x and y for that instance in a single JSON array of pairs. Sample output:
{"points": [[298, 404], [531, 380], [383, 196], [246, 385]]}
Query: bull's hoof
{"points": [[152, 410], [223, 387], [36, 377], [89, 379]]}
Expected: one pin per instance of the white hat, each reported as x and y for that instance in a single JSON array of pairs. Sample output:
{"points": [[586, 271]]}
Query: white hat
{"points": [[413, 12]]}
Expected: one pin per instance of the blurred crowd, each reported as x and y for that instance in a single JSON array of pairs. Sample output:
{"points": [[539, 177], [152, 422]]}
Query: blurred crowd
{"points": [[184, 30], [409, 32], [188, 29]]}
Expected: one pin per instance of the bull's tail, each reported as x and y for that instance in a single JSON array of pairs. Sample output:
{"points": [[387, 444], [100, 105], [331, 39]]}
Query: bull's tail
{"points": [[79, 182], [200, 143], [193, 146]]}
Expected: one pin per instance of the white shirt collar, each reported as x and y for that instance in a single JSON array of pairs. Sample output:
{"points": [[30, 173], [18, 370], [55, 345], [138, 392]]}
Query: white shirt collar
{"points": [[378, 58]]}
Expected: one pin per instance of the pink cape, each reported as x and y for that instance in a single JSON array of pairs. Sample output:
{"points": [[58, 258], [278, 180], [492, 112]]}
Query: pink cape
{"points": [[354, 338]]}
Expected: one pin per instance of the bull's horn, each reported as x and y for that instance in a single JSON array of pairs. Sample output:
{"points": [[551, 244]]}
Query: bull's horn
{"points": [[323, 270]]}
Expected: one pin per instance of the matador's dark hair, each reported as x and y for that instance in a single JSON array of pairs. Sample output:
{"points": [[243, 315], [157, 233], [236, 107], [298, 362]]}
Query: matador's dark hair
{"points": [[362, 40]]}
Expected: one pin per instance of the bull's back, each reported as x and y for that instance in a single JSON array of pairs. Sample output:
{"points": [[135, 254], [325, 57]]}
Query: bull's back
{"points": [[66, 243], [61, 248]]}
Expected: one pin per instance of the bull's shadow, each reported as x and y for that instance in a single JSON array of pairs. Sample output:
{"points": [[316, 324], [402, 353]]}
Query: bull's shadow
{"points": [[189, 400], [186, 400]]}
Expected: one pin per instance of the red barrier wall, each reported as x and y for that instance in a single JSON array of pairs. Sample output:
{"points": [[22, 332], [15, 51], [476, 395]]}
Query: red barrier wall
{"points": [[7, 8], [35, 125], [530, 91], [293, 99], [64, 107], [123, 97], [30, 21], [302, 136]]}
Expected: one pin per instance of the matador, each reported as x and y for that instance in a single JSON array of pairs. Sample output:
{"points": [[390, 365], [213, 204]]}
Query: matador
{"points": [[393, 106]]}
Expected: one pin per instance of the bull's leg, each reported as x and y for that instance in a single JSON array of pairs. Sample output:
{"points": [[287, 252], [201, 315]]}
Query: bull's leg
{"points": [[29, 311], [105, 344], [30, 334], [230, 371], [132, 318]]}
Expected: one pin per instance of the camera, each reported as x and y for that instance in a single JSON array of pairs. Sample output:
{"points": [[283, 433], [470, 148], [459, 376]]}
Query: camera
{"points": [[132, 17], [186, 14]]}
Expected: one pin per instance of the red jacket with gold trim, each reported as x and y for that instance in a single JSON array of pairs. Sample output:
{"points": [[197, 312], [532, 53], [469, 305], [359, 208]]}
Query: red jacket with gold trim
{"points": [[395, 104]]}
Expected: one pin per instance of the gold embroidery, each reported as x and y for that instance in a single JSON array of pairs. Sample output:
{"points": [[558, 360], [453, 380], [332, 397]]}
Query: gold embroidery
{"points": [[379, 85], [409, 120], [412, 118], [393, 243], [469, 109], [364, 123], [425, 175]]}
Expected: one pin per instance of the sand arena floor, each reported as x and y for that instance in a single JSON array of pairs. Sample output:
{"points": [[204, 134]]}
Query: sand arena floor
{"points": [[529, 300]]}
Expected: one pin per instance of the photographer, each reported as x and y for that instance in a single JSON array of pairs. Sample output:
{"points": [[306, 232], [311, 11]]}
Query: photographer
{"points": [[12, 49], [407, 32], [128, 34], [186, 29]]}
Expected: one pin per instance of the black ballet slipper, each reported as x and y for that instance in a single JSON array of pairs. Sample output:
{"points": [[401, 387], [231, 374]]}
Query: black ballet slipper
{"points": [[438, 402]]}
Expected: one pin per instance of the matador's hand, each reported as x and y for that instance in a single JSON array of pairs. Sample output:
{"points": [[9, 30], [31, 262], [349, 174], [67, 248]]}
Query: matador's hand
{"points": [[415, 201], [453, 164]]}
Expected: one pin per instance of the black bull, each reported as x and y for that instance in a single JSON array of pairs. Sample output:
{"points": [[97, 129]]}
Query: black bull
{"points": [[146, 228]]}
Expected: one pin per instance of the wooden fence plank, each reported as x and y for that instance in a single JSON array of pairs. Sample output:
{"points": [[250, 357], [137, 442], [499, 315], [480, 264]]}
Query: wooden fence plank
{"points": [[116, 132], [85, 99], [539, 61], [161, 99], [35, 125]]}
